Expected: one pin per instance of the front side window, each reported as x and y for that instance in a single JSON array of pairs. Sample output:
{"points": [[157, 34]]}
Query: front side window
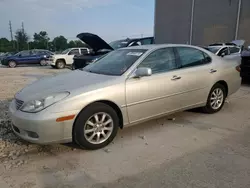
{"points": [[84, 51], [116, 62], [159, 61], [74, 52], [234, 50], [224, 51], [24, 53], [190, 57]]}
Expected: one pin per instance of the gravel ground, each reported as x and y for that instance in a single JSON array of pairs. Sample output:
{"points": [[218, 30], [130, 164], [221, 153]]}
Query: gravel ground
{"points": [[187, 149], [12, 80]]}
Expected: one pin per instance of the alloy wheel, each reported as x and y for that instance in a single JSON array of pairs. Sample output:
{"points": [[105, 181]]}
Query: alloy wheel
{"points": [[216, 99], [98, 128]]}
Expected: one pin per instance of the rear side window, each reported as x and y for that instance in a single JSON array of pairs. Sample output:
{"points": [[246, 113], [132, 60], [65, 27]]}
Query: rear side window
{"points": [[234, 50], [162, 60], [192, 57], [146, 41]]}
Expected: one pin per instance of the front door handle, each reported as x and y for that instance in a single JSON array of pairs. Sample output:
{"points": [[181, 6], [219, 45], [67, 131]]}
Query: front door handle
{"points": [[176, 78], [213, 70]]}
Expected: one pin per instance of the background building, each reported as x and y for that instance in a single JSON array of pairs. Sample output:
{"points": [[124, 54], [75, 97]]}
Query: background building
{"points": [[201, 22]]}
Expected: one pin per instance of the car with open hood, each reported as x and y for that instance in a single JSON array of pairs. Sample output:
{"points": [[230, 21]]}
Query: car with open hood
{"points": [[125, 87], [100, 47]]}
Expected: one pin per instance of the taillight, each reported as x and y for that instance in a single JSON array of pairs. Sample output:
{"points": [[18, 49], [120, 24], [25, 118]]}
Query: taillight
{"points": [[238, 68]]}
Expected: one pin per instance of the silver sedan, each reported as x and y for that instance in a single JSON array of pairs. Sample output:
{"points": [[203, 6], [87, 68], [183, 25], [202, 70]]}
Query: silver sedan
{"points": [[127, 86]]}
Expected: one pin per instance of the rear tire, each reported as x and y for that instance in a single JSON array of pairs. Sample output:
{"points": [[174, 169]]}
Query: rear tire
{"points": [[216, 99], [96, 126], [12, 64], [60, 64]]}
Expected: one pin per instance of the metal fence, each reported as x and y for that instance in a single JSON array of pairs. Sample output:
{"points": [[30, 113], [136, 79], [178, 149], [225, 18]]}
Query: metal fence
{"points": [[201, 22]]}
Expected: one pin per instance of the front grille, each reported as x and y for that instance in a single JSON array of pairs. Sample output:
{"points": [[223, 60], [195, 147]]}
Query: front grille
{"points": [[19, 103]]}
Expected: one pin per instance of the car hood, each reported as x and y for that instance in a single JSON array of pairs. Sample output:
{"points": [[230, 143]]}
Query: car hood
{"points": [[94, 41], [70, 82], [59, 55], [238, 42]]}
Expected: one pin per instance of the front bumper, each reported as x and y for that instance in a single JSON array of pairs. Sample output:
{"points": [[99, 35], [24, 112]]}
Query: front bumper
{"points": [[41, 127]]}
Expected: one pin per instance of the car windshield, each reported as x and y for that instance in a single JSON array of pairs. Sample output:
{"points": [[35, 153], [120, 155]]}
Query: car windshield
{"points": [[65, 51], [119, 44], [116, 62], [213, 49]]}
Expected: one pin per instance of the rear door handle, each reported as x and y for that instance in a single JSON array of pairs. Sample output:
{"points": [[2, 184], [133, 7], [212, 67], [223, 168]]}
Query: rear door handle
{"points": [[213, 70], [176, 78]]}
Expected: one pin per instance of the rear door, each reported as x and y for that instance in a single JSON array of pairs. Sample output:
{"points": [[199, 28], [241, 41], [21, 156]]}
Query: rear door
{"points": [[197, 74]]}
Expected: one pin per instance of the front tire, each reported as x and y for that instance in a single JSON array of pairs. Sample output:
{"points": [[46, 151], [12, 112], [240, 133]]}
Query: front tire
{"points": [[43, 62], [96, 126], [60, 64], [216, 99], [12, 64]]}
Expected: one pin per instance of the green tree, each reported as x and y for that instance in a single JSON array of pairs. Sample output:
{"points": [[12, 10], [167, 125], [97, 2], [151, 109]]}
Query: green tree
{"points": [[76, 43], [41, 40], [60, 43], [22, 39], [5, 45]]}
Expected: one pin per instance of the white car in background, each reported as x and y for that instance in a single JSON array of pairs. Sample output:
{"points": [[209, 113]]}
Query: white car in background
{"points": [[228, 50], [59, 61]]}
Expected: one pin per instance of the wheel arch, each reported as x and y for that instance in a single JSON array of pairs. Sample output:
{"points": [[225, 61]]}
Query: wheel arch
{"points": [[224, 83], [107, 102], [61, 59]]}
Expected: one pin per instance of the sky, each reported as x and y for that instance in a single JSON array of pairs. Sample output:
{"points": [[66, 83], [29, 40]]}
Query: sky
{"points": [[110, 19]]}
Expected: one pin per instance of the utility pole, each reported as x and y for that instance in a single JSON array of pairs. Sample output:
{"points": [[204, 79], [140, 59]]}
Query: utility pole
{"points": [[11, 35], [22, 27]]}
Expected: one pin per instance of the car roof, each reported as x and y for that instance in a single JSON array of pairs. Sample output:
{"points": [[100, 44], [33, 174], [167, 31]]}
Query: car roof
{"points": [[156, 46]]}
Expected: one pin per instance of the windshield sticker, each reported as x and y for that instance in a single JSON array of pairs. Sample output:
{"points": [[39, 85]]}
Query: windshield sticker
{"points": [[135, 53]]}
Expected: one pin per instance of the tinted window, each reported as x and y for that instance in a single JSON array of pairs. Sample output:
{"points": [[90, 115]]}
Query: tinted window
{"points": [[233, 50], [223, 50], [119, 44], [146, 41], [190, 57], [84, 51], [161, 60], [116, 62], [74, 52]]}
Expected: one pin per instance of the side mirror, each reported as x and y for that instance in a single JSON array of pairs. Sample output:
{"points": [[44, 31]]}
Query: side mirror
{"points": [[143, 71], [20, 55]]}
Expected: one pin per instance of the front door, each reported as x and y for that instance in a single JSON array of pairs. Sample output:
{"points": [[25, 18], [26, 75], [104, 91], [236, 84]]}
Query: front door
{"points": [[156, 94], [24, 57], [69, 58]]}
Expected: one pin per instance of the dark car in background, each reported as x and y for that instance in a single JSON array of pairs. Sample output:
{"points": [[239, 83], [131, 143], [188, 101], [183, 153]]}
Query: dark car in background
{"points": [[36, 56], [4, 55], [100, 47], [245, 65]]}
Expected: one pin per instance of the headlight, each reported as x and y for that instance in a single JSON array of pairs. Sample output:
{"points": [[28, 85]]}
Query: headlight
{"points": [[39, 104]]}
